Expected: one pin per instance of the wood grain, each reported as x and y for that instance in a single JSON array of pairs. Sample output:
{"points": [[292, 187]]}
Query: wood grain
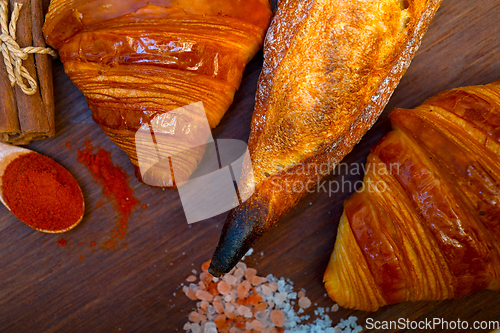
{"points": [[48, 288]]}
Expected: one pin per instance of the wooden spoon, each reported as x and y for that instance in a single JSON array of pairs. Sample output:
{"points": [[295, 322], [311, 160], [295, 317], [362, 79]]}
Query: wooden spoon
{"points": [[9, 153]]}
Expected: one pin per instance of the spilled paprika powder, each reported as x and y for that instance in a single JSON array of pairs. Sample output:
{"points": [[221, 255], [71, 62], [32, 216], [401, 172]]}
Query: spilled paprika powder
{"points": [[42, 193], [115, 184]]}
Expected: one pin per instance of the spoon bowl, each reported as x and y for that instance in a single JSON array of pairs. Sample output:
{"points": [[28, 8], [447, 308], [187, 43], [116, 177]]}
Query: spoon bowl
{"points": [[8, 154]]}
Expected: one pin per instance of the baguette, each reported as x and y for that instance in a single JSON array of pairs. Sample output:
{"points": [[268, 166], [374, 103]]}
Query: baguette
{"points": [[329, 69]]}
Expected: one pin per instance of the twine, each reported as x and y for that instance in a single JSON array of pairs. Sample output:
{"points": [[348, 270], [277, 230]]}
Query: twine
{"points": [[13, 54]]}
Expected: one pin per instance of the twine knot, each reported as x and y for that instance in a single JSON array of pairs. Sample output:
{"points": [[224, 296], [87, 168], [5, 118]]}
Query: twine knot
{"points": [[13, 54]]}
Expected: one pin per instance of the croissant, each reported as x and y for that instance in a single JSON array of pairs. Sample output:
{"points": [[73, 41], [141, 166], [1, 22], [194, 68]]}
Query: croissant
{"points": [[135, 60], [426, 223], [329, 70]]}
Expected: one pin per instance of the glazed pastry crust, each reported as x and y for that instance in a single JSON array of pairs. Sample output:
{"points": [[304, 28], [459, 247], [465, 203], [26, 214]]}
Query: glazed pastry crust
{"points": [[426, 226], [136, 60]]}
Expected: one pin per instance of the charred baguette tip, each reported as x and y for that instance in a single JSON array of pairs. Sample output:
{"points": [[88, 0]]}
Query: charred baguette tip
{"points": [[242, 228], [215, 271]]}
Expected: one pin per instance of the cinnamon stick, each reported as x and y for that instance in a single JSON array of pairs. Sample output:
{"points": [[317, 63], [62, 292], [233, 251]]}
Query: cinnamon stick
{"points": [[28, 117], [43, 65], [30, 108], [9, 124]]}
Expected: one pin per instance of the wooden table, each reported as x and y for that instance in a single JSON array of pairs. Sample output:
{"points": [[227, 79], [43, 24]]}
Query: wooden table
{"points": [[79, 288]]}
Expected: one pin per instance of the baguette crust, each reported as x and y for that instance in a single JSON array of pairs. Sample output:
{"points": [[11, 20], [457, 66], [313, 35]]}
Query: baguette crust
{"points": [[330, 68]]}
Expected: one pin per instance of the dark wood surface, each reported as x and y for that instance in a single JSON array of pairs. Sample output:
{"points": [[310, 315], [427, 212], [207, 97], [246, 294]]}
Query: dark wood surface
{"points": [[78, 288]]}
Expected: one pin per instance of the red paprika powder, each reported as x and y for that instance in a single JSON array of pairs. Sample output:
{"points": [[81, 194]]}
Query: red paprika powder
{"points": [[42, 193]]}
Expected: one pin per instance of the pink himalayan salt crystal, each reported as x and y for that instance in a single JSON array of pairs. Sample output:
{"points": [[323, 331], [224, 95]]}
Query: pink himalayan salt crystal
{"points": [[257, 325], [304, 302], [257, 280], [239, 273], [266, 290], [231, 279], [250, 273], [195, 317], [191, 278], [243, 310], [224, 288], [335, 308], [204, 295], [230, 315], [204, 305], [261, 307], [277, 318], [270, 330], [234, 296], [219, 308], [243, 289], [220, 319], [229, 307], [206, 277], [229, 310], [191, 294], [241, 265], [301, 294]]}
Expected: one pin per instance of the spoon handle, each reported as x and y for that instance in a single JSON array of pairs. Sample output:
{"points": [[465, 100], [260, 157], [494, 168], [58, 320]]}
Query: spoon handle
{"points": [[8, 153], [6, 149]]}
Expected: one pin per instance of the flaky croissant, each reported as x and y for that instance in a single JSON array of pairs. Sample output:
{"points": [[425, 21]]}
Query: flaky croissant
{"points": [[426, 224], [329, 70], [137, 59]]}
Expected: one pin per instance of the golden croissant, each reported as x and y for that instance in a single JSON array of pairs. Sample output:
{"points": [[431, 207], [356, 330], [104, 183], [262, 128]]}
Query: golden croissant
{"points": [[136, 59], [426, 224], [329, 70]]}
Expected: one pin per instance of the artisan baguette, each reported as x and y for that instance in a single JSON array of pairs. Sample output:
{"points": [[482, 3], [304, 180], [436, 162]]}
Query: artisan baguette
{"points": [[330, 67]]}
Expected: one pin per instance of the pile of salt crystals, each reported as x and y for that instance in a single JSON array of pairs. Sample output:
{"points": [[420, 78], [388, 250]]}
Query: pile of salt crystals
{"points": [[242, 302]]}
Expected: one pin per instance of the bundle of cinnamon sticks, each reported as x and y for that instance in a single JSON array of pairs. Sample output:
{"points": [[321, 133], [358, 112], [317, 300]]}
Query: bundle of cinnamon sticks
{"points": [[23, 117]]}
